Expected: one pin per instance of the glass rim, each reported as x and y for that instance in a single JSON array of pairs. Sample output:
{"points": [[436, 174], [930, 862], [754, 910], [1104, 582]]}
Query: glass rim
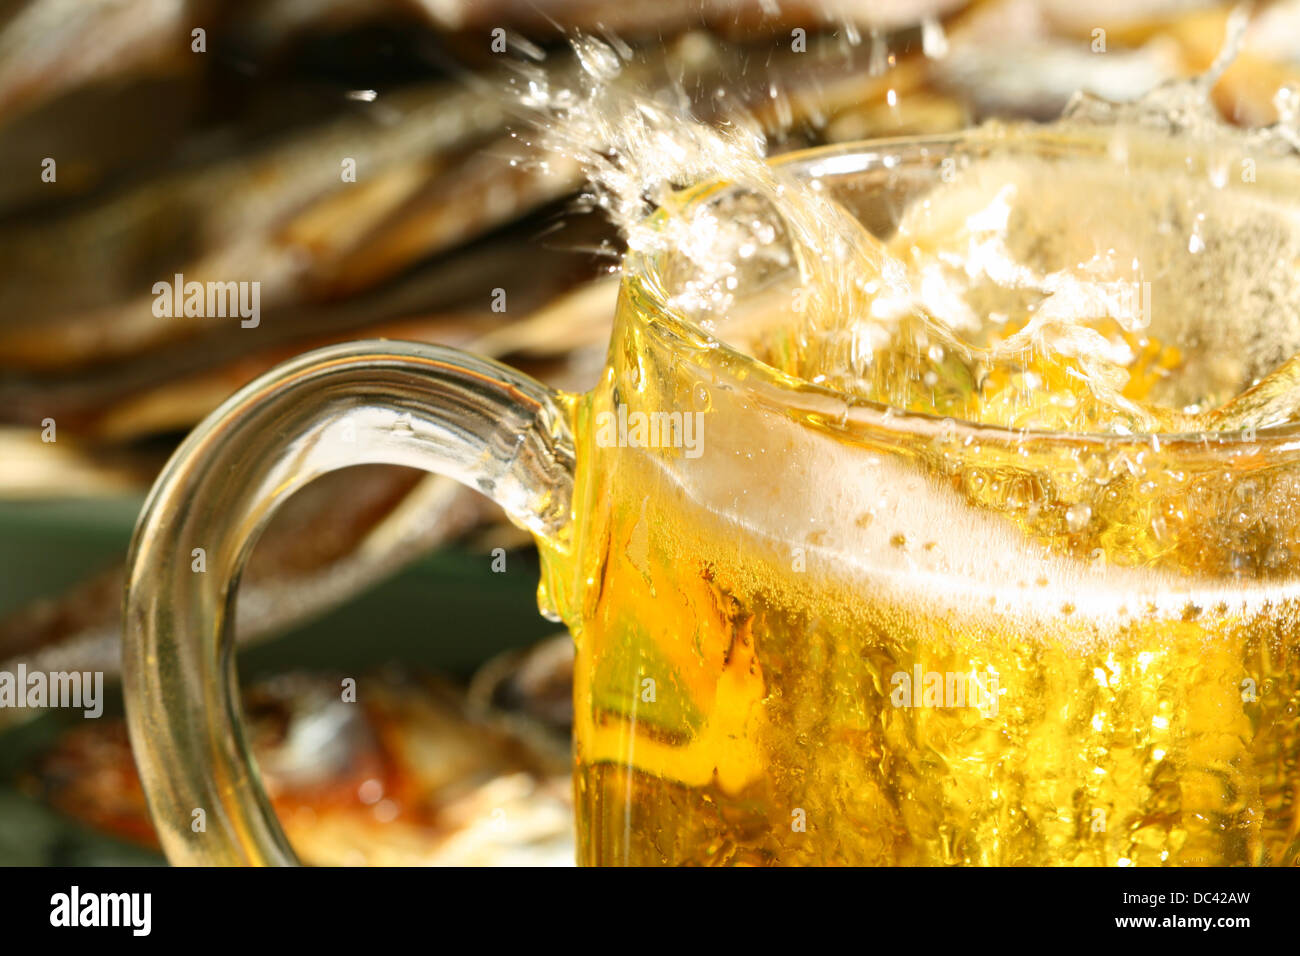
{"points": [[641, 279]]}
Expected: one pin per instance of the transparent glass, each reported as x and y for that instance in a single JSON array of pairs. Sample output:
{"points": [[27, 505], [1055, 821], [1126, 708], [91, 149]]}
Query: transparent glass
{"points": [[749, 593]]}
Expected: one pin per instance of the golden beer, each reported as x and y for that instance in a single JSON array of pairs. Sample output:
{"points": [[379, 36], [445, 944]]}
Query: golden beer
{"points": [[963, 610]]}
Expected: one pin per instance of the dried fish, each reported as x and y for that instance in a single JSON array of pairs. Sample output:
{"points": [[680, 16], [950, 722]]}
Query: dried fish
{"points": [[1007, 59], [666, 18], [1026, 57], [530, 691], [81, 286], [50, 46], [172, 387], [403, 776]]}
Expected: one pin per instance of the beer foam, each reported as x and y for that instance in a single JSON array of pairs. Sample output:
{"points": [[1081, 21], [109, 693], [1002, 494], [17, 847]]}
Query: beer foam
{"points": [[875, 528]]}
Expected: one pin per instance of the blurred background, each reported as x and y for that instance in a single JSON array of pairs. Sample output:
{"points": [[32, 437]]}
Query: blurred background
{"points": [[140, 139]]}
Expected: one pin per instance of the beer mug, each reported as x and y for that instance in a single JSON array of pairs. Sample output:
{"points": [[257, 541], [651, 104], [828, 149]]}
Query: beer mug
{"points": [[811, 629]]}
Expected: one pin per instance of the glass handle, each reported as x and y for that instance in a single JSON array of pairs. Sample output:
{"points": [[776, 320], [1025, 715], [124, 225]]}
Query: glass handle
{"points": [[398, 403]]}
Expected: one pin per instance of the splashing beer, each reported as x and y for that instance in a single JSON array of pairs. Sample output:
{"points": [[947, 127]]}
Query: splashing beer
{"points": [[992, 556]]}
